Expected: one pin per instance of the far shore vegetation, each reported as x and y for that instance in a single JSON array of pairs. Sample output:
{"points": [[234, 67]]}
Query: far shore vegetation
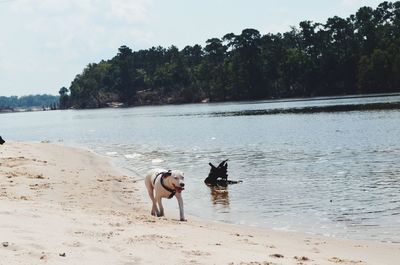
{"points": [[359, 54], [28, 103]]}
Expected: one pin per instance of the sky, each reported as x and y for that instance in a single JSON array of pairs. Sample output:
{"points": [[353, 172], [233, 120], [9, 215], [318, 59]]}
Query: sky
{"points": [[44, 44]]}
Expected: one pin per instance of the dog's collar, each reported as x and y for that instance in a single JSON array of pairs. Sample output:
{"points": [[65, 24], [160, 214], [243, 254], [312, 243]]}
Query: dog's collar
{"points": [[163, 185], [168, 189]]}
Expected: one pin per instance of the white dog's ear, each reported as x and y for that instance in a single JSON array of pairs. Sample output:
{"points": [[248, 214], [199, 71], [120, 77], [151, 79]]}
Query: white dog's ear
{"points": [[167, 174]]}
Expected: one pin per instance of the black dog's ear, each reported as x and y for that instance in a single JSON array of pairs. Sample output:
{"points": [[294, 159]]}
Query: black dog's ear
{"points": [[211, 165], [222, 163]]}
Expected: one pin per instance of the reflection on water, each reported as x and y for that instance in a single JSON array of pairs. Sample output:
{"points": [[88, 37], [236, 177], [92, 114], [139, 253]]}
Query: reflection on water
{"points": [[220, 196], [335, 173]]}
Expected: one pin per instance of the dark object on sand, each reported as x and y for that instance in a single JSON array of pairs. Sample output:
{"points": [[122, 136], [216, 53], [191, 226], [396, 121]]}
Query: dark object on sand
{"points": [[2, 141], [218, 176]]}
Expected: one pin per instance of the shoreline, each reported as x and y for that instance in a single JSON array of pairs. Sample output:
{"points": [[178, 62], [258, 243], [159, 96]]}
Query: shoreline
{"points": [[350, 107], [67, 205]]}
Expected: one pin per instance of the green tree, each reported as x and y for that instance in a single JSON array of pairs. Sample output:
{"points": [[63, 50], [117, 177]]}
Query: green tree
{"points": [[124, 74], [64, 98], [90, 89], [212, 74], [373, 73], [245, 65]]}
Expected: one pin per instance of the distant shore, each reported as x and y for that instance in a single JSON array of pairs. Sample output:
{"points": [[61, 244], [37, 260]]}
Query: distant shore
{"points": [[19, 110], [330, 108], [63, 205]]}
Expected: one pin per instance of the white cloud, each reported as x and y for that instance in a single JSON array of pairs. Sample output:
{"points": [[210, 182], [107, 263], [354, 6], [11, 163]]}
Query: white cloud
{"points": [[48, 42], [131, 11], [359, 3], [84, 23], [350, 2]]}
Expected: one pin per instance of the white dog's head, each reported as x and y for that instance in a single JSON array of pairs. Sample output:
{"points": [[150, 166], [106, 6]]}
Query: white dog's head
{"points": [[175, 180]]}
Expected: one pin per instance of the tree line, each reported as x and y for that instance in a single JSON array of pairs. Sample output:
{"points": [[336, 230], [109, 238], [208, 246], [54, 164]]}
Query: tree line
{"points": [[32, 101], [359, 54]]}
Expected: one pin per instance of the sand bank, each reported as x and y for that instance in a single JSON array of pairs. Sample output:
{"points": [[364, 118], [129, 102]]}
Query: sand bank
{"points": [[62, 205]]}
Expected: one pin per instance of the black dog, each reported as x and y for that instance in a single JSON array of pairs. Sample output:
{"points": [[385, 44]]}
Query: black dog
{"points": [[218, 176], [2, 141]]}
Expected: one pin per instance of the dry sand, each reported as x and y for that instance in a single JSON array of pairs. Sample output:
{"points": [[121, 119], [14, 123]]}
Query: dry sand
{"points": [[62, 205]]}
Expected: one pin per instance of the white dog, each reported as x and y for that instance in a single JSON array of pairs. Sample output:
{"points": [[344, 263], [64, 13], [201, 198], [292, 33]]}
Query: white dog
{"points": [[166, 184]]}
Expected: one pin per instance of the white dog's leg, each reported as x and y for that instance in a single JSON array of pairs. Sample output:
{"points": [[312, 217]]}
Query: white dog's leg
{"points": [[160, 206], [178, 196], [154, 210]]}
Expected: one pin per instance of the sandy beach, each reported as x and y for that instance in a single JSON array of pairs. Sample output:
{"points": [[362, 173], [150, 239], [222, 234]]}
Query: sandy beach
{"points": [[63, 205]]}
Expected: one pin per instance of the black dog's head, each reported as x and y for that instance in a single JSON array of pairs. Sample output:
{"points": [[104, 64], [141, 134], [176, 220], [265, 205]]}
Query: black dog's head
{"points": [[2, 141], [221, 171], [217, 174]]}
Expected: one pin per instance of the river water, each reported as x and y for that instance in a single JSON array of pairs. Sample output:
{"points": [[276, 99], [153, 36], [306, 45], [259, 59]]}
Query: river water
{"points": [[330, 173]]}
